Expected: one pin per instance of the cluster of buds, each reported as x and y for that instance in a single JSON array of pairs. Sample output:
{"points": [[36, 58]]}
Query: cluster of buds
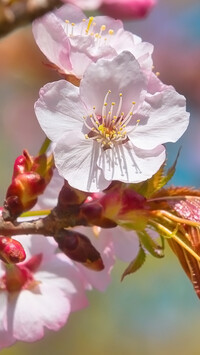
{"points": [[30, 177], [118, 205]]}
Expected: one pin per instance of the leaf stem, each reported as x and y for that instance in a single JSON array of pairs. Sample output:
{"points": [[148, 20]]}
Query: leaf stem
{"points": [[44, 146]]}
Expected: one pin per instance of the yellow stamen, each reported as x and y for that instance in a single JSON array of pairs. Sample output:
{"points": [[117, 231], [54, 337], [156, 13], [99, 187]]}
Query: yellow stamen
{"points": [[89, 24]]}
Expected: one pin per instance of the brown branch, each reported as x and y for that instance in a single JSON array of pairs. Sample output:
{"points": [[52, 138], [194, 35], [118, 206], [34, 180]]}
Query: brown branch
{"points": [[15, 13], [47, 226]]}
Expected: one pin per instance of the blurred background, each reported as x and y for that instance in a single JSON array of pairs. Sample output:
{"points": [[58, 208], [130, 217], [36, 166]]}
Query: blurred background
{"points": [[156, 311]]}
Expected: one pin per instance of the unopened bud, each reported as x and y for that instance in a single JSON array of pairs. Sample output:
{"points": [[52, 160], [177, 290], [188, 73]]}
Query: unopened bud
{"points": [[125, 205], [30, 177], [79, 248], [92, 212], [11, 251], [70, 196], [131, 200]]}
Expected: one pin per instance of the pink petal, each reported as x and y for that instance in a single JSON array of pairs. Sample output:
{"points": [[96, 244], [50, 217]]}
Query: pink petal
{"points": [[6, 332], [52, 40], [70, 12], [31, 311], [126, 243], [63, 274]]}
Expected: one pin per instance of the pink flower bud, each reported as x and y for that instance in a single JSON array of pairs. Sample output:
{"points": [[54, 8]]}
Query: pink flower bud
{"points": [[127, 9], [11, 251], [79, 248], [93, 213], [30, 177]]}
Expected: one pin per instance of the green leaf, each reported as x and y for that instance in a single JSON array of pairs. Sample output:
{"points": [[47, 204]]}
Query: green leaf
{"points": [[135, 264], [170, 172], [150, 245]]}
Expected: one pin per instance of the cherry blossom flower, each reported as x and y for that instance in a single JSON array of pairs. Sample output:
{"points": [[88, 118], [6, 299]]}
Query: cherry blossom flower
{"points": [[39, 293], [71, 42], [113, 126]]}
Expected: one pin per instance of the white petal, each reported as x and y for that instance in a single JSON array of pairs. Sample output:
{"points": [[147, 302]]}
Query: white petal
{"points": [[59, 109], [75, 159], [129, 164], [120, 75], [163, 118]]}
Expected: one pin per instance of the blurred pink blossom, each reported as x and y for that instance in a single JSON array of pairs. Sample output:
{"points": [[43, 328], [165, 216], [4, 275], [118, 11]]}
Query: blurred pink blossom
{"points": [[39, 293], [127, 9]]}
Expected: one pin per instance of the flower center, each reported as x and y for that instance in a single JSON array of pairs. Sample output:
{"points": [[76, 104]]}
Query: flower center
{"points": [[109, 128], [88, 28], [21, 276]]}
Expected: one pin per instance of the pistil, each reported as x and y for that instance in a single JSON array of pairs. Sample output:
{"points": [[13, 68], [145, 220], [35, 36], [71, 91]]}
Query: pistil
{"points": [[109, 128]]}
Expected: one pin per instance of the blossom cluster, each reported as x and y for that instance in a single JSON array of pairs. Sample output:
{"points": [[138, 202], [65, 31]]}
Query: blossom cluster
{"points": [[107, 120]]}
